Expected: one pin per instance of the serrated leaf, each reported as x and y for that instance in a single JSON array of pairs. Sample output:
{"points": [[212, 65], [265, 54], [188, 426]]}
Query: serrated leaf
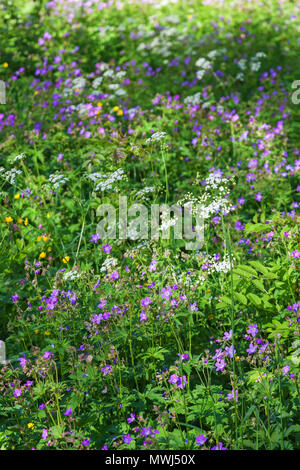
{"points": [[241, 298], [255, 228], [254, 299]]}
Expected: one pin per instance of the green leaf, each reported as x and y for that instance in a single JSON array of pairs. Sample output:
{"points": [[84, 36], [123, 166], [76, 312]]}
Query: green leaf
{"points": [[254, 299], [254, 228], [241, 298]]}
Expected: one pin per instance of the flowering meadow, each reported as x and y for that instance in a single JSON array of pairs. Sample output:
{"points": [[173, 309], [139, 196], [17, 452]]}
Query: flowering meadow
{"points": [[131, 343]]}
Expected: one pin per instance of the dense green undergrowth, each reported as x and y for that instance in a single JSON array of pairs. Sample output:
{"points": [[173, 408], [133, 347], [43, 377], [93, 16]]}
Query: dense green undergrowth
{"points": [[142, 343]]}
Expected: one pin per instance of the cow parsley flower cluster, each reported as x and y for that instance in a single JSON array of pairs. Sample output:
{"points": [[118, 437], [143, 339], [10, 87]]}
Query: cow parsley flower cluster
{"points": [[10, 175], [18, 157], [156, 137], [203, 65], [106, 181], [58, 180], [73, 85], [193, 100], [71, 275], [214, 199], [108, 264]]}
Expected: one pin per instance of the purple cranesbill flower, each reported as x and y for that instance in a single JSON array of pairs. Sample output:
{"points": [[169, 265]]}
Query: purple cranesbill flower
{"points": [[107, 369], [22, 360], [182, 382], [219, 353], [17, 392], [47, 355], [127, 438], [285, 370], [106, 248], [220, 364], [239, 225], [131, 418], [252, 163], [232, 395], [143, 316], [102, 304], [263, 347], [295, 254], [166, 293], [44, 434], [95, 238], [193, 307], [68, 412], [229, 351], [146, 431], [115, 275], [104, 447], [258, 197], [184, 357], [200, 440], [15, 298], [252, 348], [152, 265], [252, 330], [219, 446], [173, 379], [270, 235], [227, 336], [251, 177], [145, 302], [86, 442], [42, 406]]}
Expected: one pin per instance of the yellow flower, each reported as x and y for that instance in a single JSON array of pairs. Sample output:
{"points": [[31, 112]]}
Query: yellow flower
{"points": [[17, 196], [36, 331], [5, 65], [45, 239], [48, 215], [39, 238], [36, 92], [120, 112], [99, 104], [43, 255], [30, 425], [66, 259], [115, 108], [8, 220], [47, 333], [20, 221], [26, 221], [237, 358]]}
